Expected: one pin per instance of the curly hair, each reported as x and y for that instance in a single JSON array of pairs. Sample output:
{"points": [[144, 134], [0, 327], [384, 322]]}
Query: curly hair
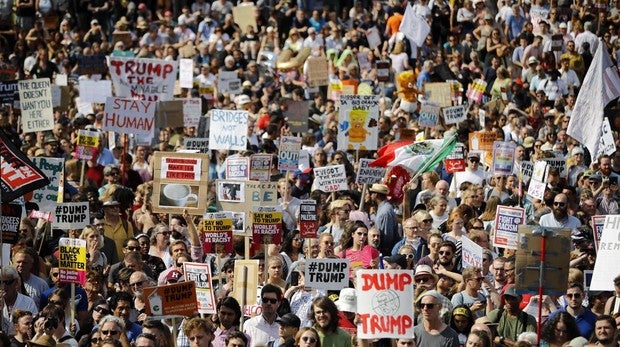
{"points": [[325, 304], [548, 329]]}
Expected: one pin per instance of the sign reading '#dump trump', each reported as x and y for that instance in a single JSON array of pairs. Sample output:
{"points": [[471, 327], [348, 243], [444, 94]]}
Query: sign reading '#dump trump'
{"points": [[143, 79], [127, 116], [328, 274]]}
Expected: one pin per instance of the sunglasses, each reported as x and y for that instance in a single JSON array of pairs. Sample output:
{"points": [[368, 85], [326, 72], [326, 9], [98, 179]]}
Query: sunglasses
{"points": [[571, 295], [8, 282], [362, 234], [101, 310], [308, 339], [269, 300], [560, 204], [429, 306], [445, 253], [409, 256], [110, 332], [133, 248], [167, 233], [54, 274], [95, 340], [422, 279], [429, 220], [137, 284]]}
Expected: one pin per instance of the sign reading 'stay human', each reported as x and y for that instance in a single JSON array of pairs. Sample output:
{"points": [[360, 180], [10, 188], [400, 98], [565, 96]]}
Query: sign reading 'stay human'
{"points": [[127, 116]]}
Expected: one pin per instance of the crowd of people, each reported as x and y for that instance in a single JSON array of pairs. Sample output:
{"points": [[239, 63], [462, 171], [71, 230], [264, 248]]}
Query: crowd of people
{"points": [[533, 56]]}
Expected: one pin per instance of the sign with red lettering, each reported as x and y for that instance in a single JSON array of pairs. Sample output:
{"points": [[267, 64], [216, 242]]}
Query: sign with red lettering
{"points": [[216, 232], [267, 224], [127, 116], [330, 178], [87, 143], [143, 79], [384, 300]]}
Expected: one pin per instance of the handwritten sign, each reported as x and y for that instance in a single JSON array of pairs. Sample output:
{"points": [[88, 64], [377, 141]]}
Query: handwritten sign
{"points": [[200, 274], [527, 168], [35, 97], [192, 110], [126, 116], [318, 74], [228, 130], [237, 168], [438, 93], [260, 167], [328, 274], [47, 196], [367, 174], [308, 219], [288, 157], [143, 79], [507, 221], [503, 157], [266, 224], [172, 299], [608, 257], [472, 253], [216, 232], [72, 261], [186, 73], [330, 178], [358, 118], [384, 303], [559, 164], [71, 215], [454, 115], [429, 115]]}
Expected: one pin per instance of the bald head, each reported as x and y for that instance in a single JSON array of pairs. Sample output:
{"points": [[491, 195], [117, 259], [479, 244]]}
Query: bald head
{"points": [[442, 187]]}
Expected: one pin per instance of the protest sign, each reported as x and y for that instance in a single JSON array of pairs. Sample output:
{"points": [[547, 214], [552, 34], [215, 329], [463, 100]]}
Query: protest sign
{"points": [[297, 115], [19, 175], [237, 168], [481, 140], [384, 303], [87, 143], [95, 91], [254, 194], [245, 16], [35, 100], [330, 178], [476, 90], [238, 220], [367, 174], [318, 74], [186, 73], [266, 224], [169, 114], [308, 219], [429, 115], [557, 253], [438, 93], [45, 197], [198, 144], [536, 189], [229, 82], [455, 161], [373, 38], [143, 79], [178, 182], [230, 191], [527, 169], [72, 261], [245, 281], [383, 70], [607, 256], [288, 153], [47, 216], [327, 274], [559, 164], [9, 221], [216, 232], [228, 130], [200, 274], [607, 144], [7, 92], [260, 167], [192, 111], [358, 117], [472, 253], [127, 116], [503, 157], [597, 224], [91, 64], [172, 299], [507, 221], [454, 115], [71, 215]]}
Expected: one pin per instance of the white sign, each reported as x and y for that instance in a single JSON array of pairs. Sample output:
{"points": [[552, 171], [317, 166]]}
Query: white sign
{"points": [[358, 118], [186, 73], [527, 168], [229, 82], [35, 100], [507, 221], [143, 79], [607, 144], [192, 110], [328, 274], [330, 178], [288, 153], [201, 274], [454, 115], [95, 91], [71, 215], [608, 257], [367, 174], [472, 253], [195, 143], [228, 130], [128, 116]]}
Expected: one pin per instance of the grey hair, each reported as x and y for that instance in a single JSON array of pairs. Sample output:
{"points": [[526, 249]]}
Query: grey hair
{"points": [[108, 168], [10, 270], [110, 318]]}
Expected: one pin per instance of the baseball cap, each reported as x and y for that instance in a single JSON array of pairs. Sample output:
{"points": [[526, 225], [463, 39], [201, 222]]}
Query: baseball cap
{"points": [[173, 276], [289, 320]]}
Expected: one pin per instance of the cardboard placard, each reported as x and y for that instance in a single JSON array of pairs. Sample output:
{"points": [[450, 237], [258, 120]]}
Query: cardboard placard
{"points": [[454, 115], [177, 183], [216, 232], [47, 196], [71, 215], [288, 153], [358, 117], [200, 274], [91, 64], [438, 93], [248, 284], [507, 221], [260, 167], [228, 130], [327, 274], [266, 224], [317, 71], [72, 261], [35, 102], [367, 174], [308, 219], [383, 70], [10, 219], [172, 299], [230, 191], [7, 92], [471, 254], [237, 168], [198, 144], [169, 114], [245, 16], [607, 257], [503, 157], [297, 115], [429, 115], [255, 194], [481, 140], [87, 142], [330, 178], [373, 38], [127, 116], [143, 79], [186, 73], [557, 253], [384, 303]]}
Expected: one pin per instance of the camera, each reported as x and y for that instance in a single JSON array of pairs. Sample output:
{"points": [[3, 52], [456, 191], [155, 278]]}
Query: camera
{"points": [[51, 323]]}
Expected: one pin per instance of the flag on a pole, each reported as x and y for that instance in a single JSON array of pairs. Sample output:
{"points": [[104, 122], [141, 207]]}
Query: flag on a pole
{"points": [[600, 86], [414, 26], [386, 154], [420, 156]]}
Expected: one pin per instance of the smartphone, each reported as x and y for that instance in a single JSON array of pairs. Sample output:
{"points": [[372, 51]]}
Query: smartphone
{"points": [[294, 278]]}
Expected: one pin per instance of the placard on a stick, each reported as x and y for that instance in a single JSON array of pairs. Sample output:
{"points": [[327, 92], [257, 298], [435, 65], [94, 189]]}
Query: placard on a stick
{"points": [[216, 232], [72, 262], [255, 194], [172, 299], [180, 182], [200, 274]]}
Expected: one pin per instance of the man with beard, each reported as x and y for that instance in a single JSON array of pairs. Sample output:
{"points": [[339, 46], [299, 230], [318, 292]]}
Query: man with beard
{"points": [[445, 263], [559, 217], [228, 314], [263, 328], [604, 168], [605, 332], [425, 279], [433, 331], [137, 281], [325, 319], [499, 274], [374, 238], [511, 320], [584, 317]]}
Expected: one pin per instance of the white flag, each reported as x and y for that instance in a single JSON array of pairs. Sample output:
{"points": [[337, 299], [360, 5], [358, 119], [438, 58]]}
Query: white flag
{"points": [[414, 26], [600, 86]]}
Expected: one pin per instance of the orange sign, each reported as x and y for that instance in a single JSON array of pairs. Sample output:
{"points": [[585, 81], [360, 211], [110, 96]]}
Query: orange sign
{"points": [[481, 141], [173, 299]]}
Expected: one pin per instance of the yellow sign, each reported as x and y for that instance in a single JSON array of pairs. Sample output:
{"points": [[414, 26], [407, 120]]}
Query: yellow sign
{"points": [[72, 261]]}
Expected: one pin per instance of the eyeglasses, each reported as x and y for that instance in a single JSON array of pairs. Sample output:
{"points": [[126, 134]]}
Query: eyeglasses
{"points": [[573, 295], [101, 310], [559, 203], [445, 253], [166, 233], [114, 174], [133, 248], [110, 332], [429, 306], [269, 300], [409, 256], [9, 282], [54, 274], [308, 339], [422, 279]]}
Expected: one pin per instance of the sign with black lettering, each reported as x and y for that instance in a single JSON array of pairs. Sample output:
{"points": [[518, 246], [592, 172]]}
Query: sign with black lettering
{"points": [[367, 174], [36, 105], [199, 144], [201, 275], [71, 215], [216, 232], [330, 178], [267, 224], [328, 274], [72, 261]]}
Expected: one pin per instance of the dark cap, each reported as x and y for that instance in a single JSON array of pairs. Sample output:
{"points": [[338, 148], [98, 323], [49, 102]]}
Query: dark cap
{"points": [[397, 259], [511, 291], [289, 320]]}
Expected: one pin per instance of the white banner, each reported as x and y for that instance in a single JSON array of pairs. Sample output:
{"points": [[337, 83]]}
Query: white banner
{"points": [[143, 79]]}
